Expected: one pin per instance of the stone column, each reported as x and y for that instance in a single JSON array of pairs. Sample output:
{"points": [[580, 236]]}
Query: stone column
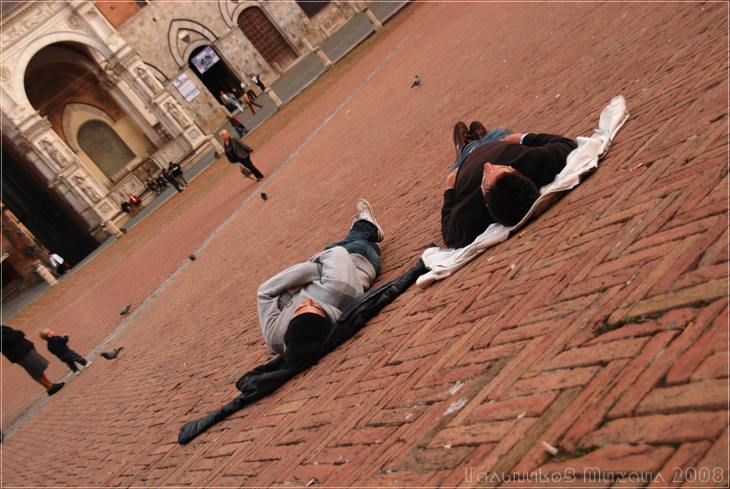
{"points": [[277, 101], [371, 17], [328, 65]]}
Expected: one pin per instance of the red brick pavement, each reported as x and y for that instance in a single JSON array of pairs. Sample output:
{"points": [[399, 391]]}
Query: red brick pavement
{"points": [[602, 329]]}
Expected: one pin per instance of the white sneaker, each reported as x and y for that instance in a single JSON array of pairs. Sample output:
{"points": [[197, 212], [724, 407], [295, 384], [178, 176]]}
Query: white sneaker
{"points": [[88, 364], [365, 211]]}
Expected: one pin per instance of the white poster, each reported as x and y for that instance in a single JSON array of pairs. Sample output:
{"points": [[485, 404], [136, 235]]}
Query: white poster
{"points": [[186, 87]]}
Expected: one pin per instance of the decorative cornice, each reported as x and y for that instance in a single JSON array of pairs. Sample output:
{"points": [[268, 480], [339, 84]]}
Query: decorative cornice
{"points": [[37, 130], [28, 19]]}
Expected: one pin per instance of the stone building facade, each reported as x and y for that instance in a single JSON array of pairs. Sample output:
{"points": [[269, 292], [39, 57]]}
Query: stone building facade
{"points": [[97, 96], [261, 37], [80, 108]]}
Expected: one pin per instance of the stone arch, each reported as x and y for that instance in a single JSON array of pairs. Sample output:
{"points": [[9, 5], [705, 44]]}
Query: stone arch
{"points": [[180, 49], [265, 37], [17, 81]]}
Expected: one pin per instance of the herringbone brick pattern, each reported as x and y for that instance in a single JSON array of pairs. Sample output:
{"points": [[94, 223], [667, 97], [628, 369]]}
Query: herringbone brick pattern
{"points": [[601, 328]]}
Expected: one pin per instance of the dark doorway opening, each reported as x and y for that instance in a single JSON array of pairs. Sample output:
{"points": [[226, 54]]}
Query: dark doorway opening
{"points": [[270, 44], [217, 75], [44, 214]]}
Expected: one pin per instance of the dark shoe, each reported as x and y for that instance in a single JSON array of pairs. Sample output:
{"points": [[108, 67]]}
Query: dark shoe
{"points": [[462, 137], [477, 130], [55, 388], [259, 179]]}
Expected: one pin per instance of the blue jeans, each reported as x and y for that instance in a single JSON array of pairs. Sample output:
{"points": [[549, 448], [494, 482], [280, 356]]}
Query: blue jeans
{"points": [[490, 137], [361, 240]]}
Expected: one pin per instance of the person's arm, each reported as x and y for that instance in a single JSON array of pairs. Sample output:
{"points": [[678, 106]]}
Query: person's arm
{"points": [[552, 152], [242, 150]]}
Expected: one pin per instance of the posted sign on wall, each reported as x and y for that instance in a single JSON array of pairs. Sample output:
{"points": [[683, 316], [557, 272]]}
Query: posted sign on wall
{"points": [[186, 87]]}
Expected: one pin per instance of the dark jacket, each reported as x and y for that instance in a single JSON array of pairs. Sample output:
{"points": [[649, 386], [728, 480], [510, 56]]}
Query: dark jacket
{"points": [[58, 346], [464, 216], [14, 344], [265, 379], [236, 150]]}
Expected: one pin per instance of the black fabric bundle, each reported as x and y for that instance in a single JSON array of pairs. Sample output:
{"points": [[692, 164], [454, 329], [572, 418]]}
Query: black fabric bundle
{"points": [[265, 379]]}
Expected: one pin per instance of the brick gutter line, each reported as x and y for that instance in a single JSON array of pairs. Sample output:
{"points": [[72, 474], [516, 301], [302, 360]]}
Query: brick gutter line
{"points": [[161, 288]]}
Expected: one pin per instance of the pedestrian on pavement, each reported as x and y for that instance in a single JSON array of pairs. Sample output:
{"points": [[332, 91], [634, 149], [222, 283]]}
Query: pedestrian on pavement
{"points": [[177, 172], [239, 153], [172, 180], [247, 89], [230, 102], [16, 348], [251, 103], [255, 78], [496, 178], [299, 306], [58, 345], [238, 126], [59, 263]]}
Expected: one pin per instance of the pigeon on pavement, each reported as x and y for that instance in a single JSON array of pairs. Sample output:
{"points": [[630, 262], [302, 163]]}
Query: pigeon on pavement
{"points": [[416, 81], [125, 309], [112, 354]]}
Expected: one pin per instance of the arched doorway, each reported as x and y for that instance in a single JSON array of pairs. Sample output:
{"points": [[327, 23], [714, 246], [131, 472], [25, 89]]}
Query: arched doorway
{"points": [[62, 83], [44, 213], [207, 64], [104, 147], [270, 44]]}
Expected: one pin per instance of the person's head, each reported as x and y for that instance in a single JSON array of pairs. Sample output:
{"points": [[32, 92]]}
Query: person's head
{"points": [[46, 333], [224, 135], [308, 328], [508, 194]]}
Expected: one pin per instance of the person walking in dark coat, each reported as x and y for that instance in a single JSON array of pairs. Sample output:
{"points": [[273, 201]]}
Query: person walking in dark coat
{"points": [[173, 181], [239, 153], [16, 348], [238, 126], [58, 345]]}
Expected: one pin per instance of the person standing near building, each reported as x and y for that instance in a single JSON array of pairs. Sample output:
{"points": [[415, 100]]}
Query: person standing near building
{"points": [[248, 90], [240, 128], [239, 153], [178, 174], [170, 178], [59, 263], [16, 348], [255, 78]]}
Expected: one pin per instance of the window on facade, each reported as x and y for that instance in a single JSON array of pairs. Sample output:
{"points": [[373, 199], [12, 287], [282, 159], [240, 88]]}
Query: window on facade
{"points": [[312, 7]]}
